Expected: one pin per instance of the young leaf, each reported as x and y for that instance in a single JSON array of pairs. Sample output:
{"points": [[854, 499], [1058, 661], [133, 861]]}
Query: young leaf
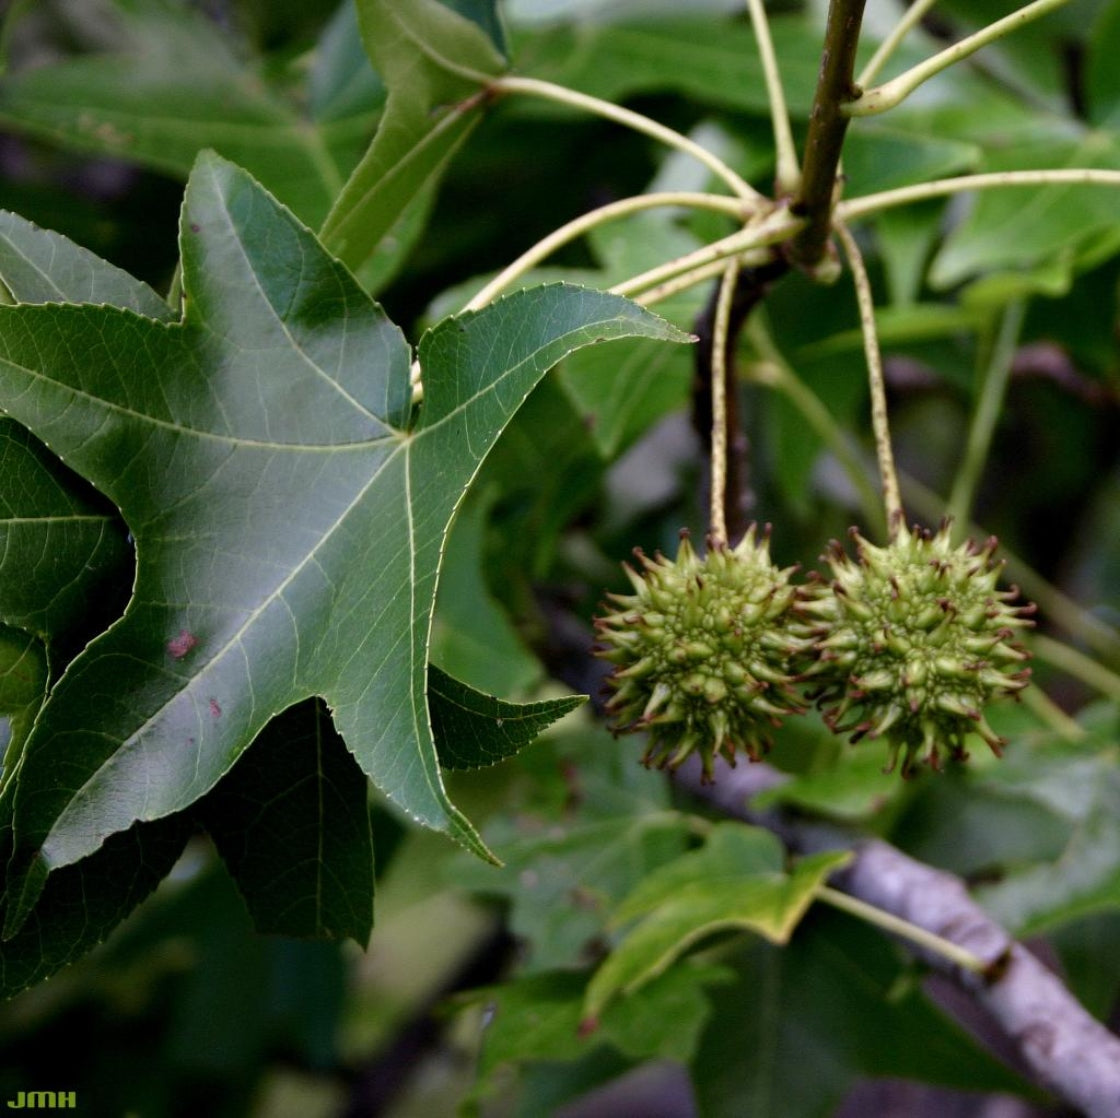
{"points": [[734, 881], [288, 525], [435, 63]]}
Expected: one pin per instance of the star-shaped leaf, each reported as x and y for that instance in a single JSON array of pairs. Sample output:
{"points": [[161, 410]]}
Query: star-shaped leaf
{"points": [[288, 513]]}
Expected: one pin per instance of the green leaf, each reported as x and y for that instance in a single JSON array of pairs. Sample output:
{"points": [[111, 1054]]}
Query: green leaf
{"points": [[435, 64], [735, 881], [473, 729], [473, 638], [1080, 784], [179, 84], [1102, 81], [291, 821], [714, 61], [805, 1021], [537, 1017], [883, 158], [1018, 228], [59, 543], [38, 266], [565, 879], [83, 903], [288, 527], [854, 788], [23, 685]]}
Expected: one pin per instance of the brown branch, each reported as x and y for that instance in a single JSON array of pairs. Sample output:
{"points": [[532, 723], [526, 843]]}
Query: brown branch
{"points": [[1063, 1046], [825, 139]]}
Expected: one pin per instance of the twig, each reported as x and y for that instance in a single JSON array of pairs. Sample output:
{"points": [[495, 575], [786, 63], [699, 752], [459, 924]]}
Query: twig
{"points": [[827, 125]]}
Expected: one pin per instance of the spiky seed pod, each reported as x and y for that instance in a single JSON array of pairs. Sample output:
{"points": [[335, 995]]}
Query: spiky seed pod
{"points": [[913, 641], [704, 652]]}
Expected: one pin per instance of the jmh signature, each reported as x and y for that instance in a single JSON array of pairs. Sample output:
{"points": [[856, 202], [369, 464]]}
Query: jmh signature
{"points": [[44, 1100]]}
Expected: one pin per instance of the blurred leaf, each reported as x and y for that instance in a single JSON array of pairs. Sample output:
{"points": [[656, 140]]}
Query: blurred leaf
{"points": [[23, 686], [1020, 227], [291, 822], [1102, 79], [342, 83], [805, 1021], [59, 541], [715, 61], [1083, 786], [537, 1018], [473, 638], [179, 84], [473, 730], [436, 64], [853, 788], [85, 901], [735, 881], [882, 158], [564, 881]]}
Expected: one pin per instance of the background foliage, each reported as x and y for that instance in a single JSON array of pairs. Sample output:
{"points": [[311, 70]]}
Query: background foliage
{"points": [[106, 107]]}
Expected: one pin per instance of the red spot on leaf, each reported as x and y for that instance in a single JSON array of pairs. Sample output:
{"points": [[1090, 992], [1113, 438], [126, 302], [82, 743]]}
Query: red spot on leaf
{"points": [[179, 646], [215, 710], [588, 1026]]}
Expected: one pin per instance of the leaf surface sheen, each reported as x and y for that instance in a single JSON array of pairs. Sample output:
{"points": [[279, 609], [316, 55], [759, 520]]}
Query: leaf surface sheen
{"points": [[288, 523]]}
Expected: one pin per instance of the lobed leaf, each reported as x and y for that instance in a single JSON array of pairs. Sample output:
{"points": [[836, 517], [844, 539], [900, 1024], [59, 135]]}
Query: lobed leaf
{"points": [[735, 881], [288, 522]]}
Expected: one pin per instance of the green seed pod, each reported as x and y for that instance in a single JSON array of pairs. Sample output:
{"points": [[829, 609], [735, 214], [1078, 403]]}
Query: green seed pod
{"points": [[705, 652], [913, 640]]}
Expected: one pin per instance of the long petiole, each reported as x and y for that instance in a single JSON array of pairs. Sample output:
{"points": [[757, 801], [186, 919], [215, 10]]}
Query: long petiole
{"points": [[773, 371], [720, 333], [590, 220], [1076, 664], [892, 93], [778, 226], [987, 411], [547, 90], [855, 208], [936, 944], [892, 500], [1049, 713], [685, 280], [891, 43], [788, 174]]}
